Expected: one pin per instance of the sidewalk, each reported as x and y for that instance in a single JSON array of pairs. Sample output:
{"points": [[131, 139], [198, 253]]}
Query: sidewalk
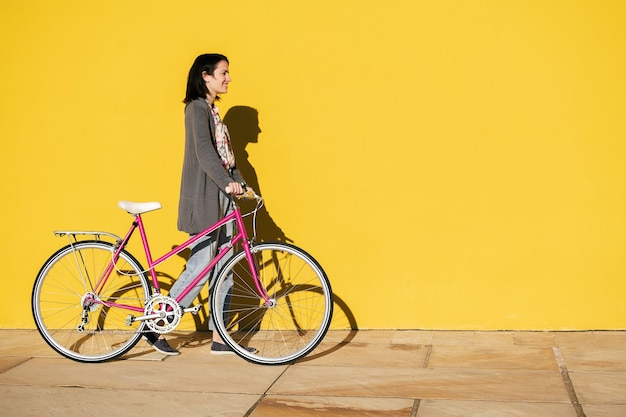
{"points": [[365, 373]]}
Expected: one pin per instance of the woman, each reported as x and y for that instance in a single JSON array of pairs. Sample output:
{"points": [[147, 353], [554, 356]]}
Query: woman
{"points": [[208, 169]]}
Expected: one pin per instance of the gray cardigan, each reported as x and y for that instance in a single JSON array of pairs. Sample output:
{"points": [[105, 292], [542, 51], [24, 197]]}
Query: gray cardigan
{"points": [[204, 177]]}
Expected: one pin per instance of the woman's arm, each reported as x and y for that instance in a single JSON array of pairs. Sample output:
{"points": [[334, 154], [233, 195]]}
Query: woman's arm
{"points": [[197, 120]]}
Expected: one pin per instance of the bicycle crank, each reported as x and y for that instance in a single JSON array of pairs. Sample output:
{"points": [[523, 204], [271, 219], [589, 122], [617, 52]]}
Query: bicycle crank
{"points": [[162, 314]]}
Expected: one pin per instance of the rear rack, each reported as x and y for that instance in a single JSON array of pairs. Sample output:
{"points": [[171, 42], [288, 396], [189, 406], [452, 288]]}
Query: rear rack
{"points": [[96, 234]]}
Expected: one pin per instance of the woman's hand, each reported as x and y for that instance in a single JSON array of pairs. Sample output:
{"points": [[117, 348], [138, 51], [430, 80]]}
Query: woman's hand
{"points": [[234, 188]]}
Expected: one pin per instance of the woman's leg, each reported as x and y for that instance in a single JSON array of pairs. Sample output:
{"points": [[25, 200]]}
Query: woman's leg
{"points": [[202, 252], [223, 242]]}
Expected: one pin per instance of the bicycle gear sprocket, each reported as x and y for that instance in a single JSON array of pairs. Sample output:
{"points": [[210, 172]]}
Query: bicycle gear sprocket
{"points": [[168, 310]]}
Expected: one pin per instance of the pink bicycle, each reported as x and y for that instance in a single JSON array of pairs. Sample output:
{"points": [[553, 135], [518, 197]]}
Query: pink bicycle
{"points": [[92, 299]]}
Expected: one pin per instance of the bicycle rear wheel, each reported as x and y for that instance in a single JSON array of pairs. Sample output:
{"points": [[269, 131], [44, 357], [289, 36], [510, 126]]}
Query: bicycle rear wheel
{"points": [[294, 320], [74, 320]]}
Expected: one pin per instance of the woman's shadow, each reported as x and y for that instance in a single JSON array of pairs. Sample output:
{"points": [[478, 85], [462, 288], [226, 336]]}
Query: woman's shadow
{"points": [[243, 126]]}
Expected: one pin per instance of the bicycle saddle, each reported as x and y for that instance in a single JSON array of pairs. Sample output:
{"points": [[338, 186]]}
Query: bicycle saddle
{"points": [[138, 208]]}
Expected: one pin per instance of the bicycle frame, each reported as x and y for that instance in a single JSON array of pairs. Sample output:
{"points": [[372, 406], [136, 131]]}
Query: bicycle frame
{"points": [[240, 237], [93, 300]]}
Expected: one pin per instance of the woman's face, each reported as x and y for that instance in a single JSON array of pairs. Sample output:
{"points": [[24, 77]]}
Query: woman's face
{"points": [[217, 83]]}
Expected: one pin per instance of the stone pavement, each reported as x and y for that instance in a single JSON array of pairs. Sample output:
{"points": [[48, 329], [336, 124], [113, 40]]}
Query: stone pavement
{"points": [[364, 373]]}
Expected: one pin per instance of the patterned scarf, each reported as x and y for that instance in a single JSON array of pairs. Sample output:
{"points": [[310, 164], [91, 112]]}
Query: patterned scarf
{"points": [[222, 140]]}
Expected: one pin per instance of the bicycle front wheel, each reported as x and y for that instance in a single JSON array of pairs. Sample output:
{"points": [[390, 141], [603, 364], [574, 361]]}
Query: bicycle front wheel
{"points": [[77, 299], [291, 322]]}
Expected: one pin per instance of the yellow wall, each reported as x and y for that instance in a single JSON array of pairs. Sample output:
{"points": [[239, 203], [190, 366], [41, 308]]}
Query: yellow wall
{"points": [[452, 164]]}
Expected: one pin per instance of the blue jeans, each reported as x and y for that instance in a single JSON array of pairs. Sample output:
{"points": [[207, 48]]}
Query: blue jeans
{"points": [[202, 252]]}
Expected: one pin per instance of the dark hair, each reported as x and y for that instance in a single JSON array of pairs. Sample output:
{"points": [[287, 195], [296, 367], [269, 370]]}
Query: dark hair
{"points": [[196, 88]]}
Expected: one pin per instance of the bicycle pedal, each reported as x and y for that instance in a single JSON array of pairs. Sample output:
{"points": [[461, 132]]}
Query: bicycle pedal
{"points": [[193, 310]]}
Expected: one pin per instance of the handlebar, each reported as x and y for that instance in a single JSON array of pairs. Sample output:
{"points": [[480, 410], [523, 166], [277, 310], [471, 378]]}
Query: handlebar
{"points": [[249, 195]]}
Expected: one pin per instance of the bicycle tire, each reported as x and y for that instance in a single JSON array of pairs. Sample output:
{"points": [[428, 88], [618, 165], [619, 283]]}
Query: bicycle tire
{"points": [[63, 284], [296, 321]]}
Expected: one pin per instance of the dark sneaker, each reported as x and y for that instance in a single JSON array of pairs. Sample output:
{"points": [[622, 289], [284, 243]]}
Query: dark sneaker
{"points": [[160, 345], [151, 337], [223, 349]]}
